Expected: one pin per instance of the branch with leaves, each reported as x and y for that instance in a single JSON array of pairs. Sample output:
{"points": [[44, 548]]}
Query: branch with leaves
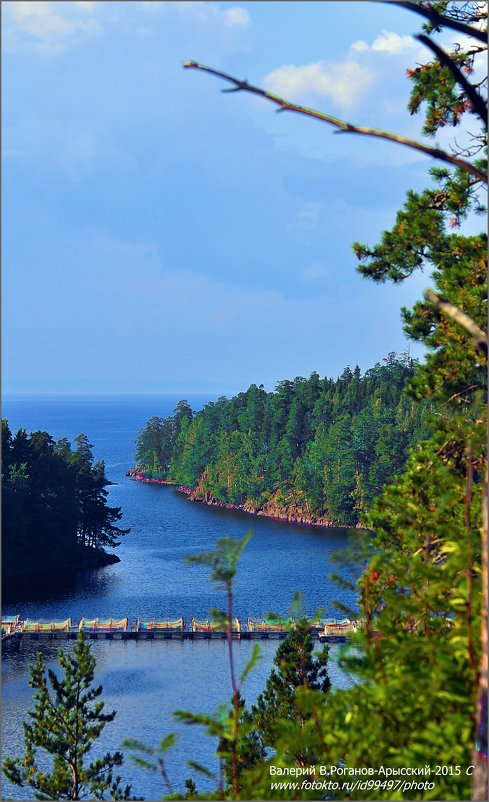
{"points": [[479, 105]]}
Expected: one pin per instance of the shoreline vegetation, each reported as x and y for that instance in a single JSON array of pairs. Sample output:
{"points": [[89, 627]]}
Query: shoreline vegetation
{"points": [[55, 518], [296, 515], [314, 451]]}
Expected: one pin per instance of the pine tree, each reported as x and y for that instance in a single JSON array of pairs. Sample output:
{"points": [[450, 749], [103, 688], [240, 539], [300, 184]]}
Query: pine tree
{"points": [[295, 666], [66, 720]]}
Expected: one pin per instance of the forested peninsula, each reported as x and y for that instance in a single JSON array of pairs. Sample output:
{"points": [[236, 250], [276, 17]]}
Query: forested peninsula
{"points": [[55, 516], [315, 451]]}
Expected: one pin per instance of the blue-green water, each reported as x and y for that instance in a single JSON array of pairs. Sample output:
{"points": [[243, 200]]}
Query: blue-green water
{"points": [[146, 681]]}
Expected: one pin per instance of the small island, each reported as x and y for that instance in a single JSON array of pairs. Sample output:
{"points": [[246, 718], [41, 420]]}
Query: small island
{"points": [[315, 451]]}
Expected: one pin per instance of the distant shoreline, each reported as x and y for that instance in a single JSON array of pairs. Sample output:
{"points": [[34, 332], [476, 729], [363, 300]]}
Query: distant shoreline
{"points": [[281, 516]]}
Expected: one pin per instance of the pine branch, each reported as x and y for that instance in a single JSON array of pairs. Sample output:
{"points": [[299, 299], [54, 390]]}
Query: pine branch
{"points": [[478, 105], [439, 20], [340, 125], [450, 310]]}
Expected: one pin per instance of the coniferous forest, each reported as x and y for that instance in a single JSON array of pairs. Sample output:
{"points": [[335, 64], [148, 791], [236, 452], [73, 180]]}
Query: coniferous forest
{"points": [[318, 447], [400, 450], [55, 516]]}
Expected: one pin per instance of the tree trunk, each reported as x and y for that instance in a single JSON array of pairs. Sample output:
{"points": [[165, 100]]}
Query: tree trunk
{"points": [[479, 754]]}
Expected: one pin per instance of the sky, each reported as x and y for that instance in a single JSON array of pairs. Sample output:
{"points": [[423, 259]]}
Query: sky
{"points": [[161, 236]]}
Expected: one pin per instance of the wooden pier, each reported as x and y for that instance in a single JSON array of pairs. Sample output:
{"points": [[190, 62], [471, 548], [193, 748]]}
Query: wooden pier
{"points": [[133, 635], [15, 629]]}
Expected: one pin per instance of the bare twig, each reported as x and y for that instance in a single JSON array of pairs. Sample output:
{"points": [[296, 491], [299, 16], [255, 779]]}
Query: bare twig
{"points": [[439, 20], [469, 151], [478, 105], [164, 774], [234, 743], [340, 125], [464, 400], [450, 310]]}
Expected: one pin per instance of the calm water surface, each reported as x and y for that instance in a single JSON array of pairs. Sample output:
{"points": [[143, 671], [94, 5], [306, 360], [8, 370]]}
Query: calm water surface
{"points": [[143, 681]]}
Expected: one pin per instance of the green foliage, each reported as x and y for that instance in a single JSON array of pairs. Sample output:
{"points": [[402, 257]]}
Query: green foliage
{"points": [[314, 446], [250, 751], [154, 758], [156, 442], [296, 666], [67, 719], [417, 658], [54, 513], [191, 789], [434, 89], [280, 729]]}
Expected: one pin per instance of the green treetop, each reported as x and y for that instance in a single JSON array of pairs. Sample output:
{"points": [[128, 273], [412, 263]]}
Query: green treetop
{"points": [[296, 665], [67, 719]]}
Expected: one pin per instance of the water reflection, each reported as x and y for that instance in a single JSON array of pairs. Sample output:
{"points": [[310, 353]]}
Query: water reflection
{"points": [[47, 590], [153, 580], [145, 681]]}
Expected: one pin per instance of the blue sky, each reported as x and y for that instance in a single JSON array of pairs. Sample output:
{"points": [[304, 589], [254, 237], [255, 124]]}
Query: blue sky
{"points": [[160, 236]]}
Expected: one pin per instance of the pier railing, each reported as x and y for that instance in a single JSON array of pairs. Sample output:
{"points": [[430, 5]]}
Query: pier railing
{"points": [[103, 625], [46, 626], [177, 625], [119, 628]]}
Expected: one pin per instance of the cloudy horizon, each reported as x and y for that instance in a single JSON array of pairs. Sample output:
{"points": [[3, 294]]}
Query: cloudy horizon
{"points": [[160, 236]]}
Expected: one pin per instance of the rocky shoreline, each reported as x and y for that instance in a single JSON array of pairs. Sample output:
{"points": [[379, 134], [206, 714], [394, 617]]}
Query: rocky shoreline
{"points": [[272, 510]]}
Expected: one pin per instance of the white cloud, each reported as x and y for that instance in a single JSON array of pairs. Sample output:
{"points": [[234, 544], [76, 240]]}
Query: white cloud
{"points": [[387, 42], [47, 25], [85, 5], [39, 20], [201, 11], [343, 82], [236, 17]]}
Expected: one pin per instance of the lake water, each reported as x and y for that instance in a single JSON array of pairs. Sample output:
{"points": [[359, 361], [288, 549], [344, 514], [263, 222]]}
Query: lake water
{"points": [[146, 681]]}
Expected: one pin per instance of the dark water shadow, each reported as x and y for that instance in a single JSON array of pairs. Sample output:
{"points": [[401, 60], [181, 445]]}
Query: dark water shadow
{"points": [[51, 587]]}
